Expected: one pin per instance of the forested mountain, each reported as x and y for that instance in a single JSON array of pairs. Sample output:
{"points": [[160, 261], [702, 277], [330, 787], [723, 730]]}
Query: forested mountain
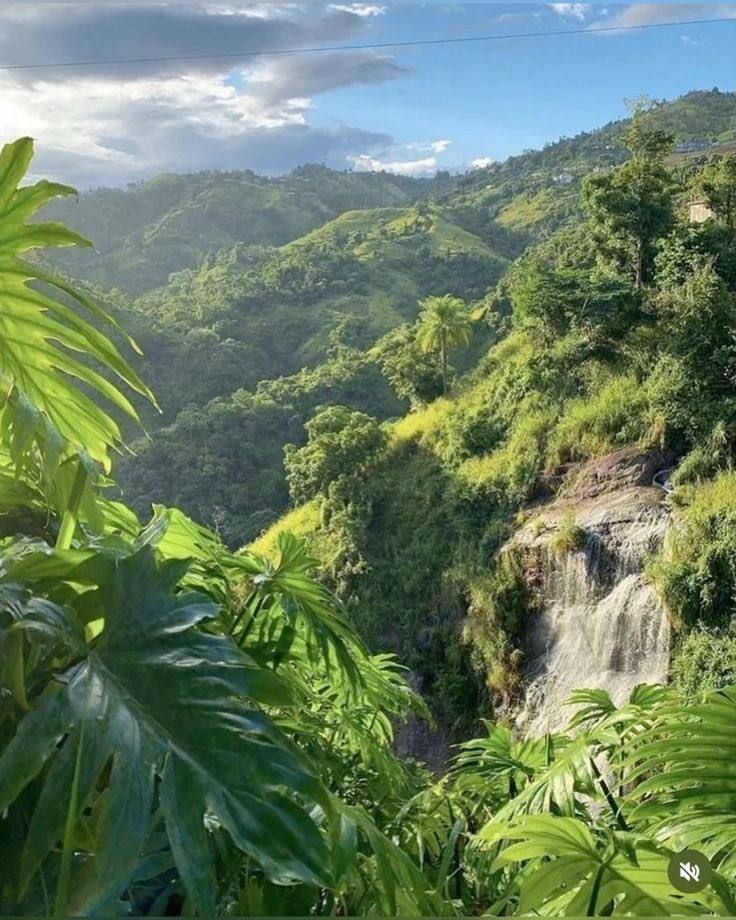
{"points": [[145, 232], [253, 313], [602, 353], [506, 435], [265, 295]]}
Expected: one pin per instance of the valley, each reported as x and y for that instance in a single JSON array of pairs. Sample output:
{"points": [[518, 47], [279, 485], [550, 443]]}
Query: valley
{"points": [[368, 543], [272, 325]]}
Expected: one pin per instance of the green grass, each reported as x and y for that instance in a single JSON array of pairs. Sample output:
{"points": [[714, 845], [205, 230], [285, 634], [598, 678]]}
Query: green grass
{"points": [[530, 210], [421, 424], [568, 537], [303, 521], [696, 573], [510, 472], [591, 426]]}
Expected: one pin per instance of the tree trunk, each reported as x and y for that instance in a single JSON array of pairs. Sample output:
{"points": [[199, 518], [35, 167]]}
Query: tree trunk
{"points": [[443, 352], [639, 263]]}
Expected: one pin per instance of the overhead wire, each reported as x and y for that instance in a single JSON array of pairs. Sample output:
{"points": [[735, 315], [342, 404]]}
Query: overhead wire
{"points": [[365, 46]]}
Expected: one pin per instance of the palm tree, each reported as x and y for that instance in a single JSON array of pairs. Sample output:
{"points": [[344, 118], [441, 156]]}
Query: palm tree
{"points": [[444, 323]]}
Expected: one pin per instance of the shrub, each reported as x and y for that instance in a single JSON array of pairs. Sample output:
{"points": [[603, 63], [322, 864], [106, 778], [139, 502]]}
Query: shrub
{"points": [[340, 443], [593, 425], [707, 459], [697, 572], [705, 661], [498, 606], [569, 535], [510, 474], [412, 373], [672, 395]]}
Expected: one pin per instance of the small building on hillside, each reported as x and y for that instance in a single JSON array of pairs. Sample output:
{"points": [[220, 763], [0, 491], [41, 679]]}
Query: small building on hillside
{"points": [[692, 146], [699, 211]]}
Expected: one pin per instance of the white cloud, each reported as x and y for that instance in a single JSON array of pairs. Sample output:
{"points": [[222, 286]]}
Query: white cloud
{"points": [[571, 10], [360, 9], [429, 146], [528, 13], [481, 162], [109, 125], [644, 14], [394, 158], [427, 166]]}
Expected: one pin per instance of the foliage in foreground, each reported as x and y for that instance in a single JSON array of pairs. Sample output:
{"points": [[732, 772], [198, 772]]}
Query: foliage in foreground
{"points": [[181, 728], [188, 730]]}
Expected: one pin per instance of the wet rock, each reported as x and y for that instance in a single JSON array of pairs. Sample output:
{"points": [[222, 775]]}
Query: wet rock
{"points": [[427, 742], [600, 623], [629, 466]]}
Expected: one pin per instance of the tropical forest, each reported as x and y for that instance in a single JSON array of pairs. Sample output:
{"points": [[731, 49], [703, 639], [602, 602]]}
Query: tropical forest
{"points": [[368, 541]]}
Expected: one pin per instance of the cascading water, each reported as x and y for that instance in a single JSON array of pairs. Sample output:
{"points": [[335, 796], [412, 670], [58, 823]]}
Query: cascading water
{"points": [[600, 624]]}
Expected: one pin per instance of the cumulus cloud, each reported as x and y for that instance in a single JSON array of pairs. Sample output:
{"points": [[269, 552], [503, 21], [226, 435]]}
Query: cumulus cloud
{"points": [[110, 124], [101, 32], [426, 166], [395, 159], [644, 14], [360, 9], [579, 11], [481, 162]]}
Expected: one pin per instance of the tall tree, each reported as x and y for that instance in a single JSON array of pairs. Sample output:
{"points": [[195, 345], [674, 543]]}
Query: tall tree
{"points": [[632, 206], [717, 183], [444, 323]]}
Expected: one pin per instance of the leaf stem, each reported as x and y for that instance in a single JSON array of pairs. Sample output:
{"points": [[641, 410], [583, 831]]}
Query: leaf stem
{"points": [[71, 514], [62, 886], [612, 803], [592, 903]]}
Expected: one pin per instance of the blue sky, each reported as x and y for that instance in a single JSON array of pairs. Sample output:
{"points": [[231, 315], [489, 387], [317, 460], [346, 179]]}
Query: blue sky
{"points": [[496, 99], [411, 110]]}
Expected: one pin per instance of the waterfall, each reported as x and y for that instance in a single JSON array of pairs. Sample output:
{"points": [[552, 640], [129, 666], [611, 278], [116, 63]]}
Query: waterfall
{"points": [[600, 624]]}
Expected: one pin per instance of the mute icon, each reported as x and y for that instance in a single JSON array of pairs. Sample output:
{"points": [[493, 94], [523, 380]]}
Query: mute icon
{"points": [[689, 871]]}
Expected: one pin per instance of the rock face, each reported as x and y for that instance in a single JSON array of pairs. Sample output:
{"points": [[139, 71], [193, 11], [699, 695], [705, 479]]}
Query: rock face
{"points": [[599, 624]]}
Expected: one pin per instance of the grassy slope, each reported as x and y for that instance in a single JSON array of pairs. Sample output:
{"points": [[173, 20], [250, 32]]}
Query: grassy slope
{"points": [[368, 268], [169, 223], [384, 259]]}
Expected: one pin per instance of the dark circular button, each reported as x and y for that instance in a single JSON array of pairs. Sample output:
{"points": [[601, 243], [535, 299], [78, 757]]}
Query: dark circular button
{"points": [[689, 871]]}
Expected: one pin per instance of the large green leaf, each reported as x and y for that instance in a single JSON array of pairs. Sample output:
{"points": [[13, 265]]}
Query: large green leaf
{"points": [[685, 763], [562, 786], [156, 696], [283, 598], [391, 884], [46, 348], [497, 766], [570, 872]]}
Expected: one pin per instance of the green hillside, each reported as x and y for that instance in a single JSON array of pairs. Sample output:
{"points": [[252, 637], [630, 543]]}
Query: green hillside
{"points": [[283, 308], [593, 362], [343, 286], [455, 462], [144, 233], [526, 193], [283, 273]]}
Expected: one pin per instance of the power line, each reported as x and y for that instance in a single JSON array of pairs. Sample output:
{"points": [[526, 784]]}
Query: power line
{"points": [[368, 46]]}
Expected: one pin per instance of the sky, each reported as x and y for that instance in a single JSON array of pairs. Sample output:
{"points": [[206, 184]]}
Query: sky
{"points": [[410, 109]]}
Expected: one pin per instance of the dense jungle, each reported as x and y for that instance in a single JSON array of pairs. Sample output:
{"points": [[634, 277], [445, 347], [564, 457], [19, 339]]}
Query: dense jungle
{"points": [[368, 543]]}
